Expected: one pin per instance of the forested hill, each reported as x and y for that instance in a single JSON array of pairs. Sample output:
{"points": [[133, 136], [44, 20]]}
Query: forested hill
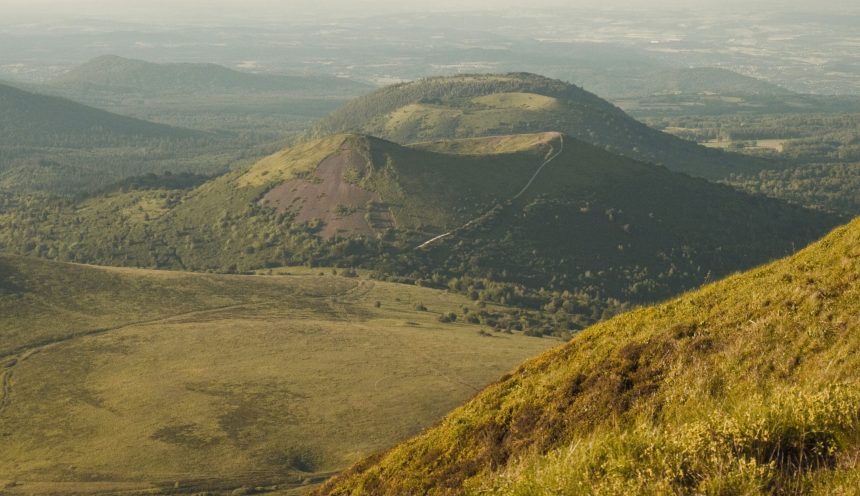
{"points": [[485, 105], [33, 119], [51, 144]]}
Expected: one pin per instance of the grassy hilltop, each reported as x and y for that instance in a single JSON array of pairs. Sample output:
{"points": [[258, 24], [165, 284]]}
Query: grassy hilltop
{"points": [[138, 381], [747, 386]]}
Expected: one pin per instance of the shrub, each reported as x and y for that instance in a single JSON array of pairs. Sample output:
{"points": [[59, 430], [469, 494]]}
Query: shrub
{"points": [[448, 317]]}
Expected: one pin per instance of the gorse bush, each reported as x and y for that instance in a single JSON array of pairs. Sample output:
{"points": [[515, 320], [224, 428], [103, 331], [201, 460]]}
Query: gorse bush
{"points": [[765, 446]]}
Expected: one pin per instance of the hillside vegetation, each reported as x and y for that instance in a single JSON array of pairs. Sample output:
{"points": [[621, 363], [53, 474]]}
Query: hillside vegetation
{"points": [[833, 187], [625, 82], [51, 144], [483, 105], [747, 386], [592, 232], [28, 119], [207, 97], [141, 382]]}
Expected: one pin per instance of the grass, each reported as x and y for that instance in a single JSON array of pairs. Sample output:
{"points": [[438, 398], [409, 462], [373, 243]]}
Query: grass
{"points": [[419, 118], [765, 145], [494, 145], [290, 163], [747, 386], [137, 380], [520, 100]]}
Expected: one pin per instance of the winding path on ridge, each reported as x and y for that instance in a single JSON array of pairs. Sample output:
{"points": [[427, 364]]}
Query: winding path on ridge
{"points": [[552, 156]]}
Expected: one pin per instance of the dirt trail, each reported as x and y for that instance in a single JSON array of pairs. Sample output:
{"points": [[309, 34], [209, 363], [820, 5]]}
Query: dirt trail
{"points": [[551, 156]]}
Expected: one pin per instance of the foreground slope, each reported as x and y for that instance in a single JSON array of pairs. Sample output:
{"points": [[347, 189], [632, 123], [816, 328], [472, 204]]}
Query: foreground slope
{"points": [[482, 105], [130, 380], [747, 386], [543, 211]]}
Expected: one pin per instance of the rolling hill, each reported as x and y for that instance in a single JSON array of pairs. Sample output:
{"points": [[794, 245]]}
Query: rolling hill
{"points": [[123, 75], [55, 145], [28, 119], [631, 82], [542, 220], [482, 105], [206, 97], [747, 386], [139, 382]]}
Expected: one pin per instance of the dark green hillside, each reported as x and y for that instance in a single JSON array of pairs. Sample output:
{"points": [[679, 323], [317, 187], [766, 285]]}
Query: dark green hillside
{"points": [[28, 119], [748, 386], [123, 75], [484, 105], [591, 233], [833, 187], [55, 145]]}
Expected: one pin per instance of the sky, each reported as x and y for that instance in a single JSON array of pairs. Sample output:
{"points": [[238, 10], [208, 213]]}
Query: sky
{"points": [[170, 10]]}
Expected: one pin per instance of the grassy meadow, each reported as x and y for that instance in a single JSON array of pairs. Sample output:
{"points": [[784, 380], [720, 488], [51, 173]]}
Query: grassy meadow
{"points": [[128, 380]]}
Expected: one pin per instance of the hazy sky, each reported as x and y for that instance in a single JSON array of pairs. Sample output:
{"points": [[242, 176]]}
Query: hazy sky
{"points": [[190, 10]]}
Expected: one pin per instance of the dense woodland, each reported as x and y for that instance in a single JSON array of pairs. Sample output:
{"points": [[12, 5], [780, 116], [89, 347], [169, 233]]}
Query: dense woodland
{"points": [[819, 153], [804, 138], [833, 187]]}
